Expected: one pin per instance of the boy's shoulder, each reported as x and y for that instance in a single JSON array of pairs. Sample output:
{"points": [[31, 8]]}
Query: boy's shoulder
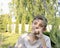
{"points": [[23, 36], [46, 37]]}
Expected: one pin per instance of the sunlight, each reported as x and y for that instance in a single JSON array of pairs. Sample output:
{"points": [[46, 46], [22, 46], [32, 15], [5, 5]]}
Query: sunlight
{"points": [[4, 8]]}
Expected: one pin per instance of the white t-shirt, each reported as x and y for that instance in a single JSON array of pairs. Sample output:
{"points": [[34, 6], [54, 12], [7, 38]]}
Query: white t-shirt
{"points": [[24, 43]]}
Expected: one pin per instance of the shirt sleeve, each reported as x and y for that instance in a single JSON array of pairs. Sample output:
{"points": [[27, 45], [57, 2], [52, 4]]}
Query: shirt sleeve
{"points": [[48, 43], [20, 43]]}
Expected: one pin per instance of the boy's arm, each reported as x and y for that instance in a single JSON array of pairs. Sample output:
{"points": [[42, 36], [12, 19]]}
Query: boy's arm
{"points": [[48, 43], [45, 44]]}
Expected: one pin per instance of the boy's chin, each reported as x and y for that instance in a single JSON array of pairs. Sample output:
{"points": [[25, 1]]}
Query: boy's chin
{"points": [[36, 33]]}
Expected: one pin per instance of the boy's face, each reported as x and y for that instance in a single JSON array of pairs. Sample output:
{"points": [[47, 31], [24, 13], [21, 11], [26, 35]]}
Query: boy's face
{"points": [[38, 26]]}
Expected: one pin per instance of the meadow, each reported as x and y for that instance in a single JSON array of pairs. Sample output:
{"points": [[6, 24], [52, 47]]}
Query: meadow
{"points": [[8, 40]]}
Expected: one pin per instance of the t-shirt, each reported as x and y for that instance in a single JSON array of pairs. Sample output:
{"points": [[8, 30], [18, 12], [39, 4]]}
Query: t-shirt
{"points": [[24, 43]]}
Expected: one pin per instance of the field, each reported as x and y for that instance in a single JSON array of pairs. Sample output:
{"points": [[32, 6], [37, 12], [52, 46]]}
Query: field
{"points": [[8, 39]]}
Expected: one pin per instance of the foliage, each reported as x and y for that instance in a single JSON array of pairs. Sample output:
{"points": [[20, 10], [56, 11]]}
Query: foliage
{"points": [[8, 40], [4, 20], [54, 34]]}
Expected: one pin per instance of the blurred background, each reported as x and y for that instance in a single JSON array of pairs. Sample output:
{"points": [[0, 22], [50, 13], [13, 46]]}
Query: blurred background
{"points": [[16, 17]]}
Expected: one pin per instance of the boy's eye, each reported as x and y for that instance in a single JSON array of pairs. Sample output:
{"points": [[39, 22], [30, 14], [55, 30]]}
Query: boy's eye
{"points": [[35, 23], [40, 25]]}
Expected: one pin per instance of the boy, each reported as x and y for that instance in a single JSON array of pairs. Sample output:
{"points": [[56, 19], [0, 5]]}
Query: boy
{"points": [[35, 39]]}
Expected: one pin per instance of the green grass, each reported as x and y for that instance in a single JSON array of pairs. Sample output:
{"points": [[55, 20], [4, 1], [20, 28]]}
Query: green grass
{"points": [[8, 39]]}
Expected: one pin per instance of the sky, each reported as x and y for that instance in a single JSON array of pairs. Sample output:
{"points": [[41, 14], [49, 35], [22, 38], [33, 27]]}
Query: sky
{"points": [[4, 6]]}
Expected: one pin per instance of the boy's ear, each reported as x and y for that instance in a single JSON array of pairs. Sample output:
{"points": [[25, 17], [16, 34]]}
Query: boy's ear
{"points": [[44, 29]]}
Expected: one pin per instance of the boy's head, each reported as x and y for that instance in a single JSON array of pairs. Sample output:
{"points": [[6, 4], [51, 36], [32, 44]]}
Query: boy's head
{"points": [[41, 17], [39, 24]]}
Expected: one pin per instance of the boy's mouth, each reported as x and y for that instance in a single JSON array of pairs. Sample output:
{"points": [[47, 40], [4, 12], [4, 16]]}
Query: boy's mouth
{"points": [[36, 33]]}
